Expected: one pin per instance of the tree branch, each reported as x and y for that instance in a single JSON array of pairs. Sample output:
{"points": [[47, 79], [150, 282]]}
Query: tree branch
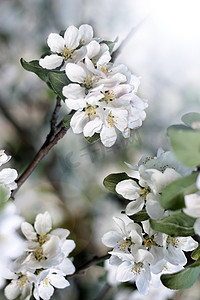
{"points": [[117, 52], [55, 134], [82, 269]]}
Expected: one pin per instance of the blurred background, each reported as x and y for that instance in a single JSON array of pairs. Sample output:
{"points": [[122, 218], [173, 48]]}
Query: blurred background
{"points": [[164, 52]]}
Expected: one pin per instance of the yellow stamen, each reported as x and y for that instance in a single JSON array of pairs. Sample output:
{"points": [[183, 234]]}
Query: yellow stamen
{"points": [[38, 253], [22, 282], [111, 121], [149, 243], [67, 53], [90, 111], [124, 245], [104, 69], [137, 268], [42, 238], [89, 81], [173, 241], [143, 193]]}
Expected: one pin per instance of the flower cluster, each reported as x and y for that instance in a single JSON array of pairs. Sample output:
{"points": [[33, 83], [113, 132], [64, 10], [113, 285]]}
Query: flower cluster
{"points": [[7, 176], [154, 174], [141, 254], [102, 93], [192, 209], [44, 263]]}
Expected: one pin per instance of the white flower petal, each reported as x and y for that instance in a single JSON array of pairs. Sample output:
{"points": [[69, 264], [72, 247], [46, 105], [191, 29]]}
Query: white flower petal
{"points": [[134, 207], [79, 54], [85, 33], [61, 233], [45, 291], [28, 231], [71, 37], [197, 226], [73, 91], [43, 223], [93, 49], [59, 281], [128, 188], [92, 127], [75, 73], [108, 136], [111, 238], [8, 175], [12, 290], [154, 210], [78, 122], [68, 246], [198, 182], [124, 272], [67, 266], [56, 42], [192, 203], [51, 61]]}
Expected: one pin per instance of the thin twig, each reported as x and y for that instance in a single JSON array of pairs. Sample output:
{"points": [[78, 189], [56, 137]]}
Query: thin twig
{"points": [[54, 118], [104, 292], [38, 157], [117, 52], [82, 269]]}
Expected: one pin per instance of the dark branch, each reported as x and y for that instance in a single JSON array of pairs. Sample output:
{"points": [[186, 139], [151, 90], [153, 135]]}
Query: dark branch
{"points": [[117, 52], [54, 118], [82, 269]]}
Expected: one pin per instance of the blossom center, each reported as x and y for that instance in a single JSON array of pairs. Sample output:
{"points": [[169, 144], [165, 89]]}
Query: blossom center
{"points": [[90, 111], [124, 245], [173, 241], [143, 193], [46, 281], [137, 268], [110, 120], [67, 53], [89, 81], [22, 282], [149, 242], [43, 237], [38, 253], [109, 97], [104, 69]]}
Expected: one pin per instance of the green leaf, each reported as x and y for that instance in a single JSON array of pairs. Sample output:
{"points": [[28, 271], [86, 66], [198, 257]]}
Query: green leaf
{"points": [[112, 180], [58, 81], [33, 66], [66, 120], [182, 279], [173, 195], [140, 216], [93, 139], [185, 143], [3, 197], [196, 253], [110, 44], [190, 118], [175, 225]]}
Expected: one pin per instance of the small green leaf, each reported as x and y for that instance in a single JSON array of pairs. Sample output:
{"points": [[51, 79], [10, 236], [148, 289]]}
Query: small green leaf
{"points": [[173, 195], [66, 120], [33, 66], [190, 118], [182, 279], [112, 180], [93, 139], [110, 44], [175, 225], [140, 216], [58, 81], [196, 253], [185, 143], [3, 197]]}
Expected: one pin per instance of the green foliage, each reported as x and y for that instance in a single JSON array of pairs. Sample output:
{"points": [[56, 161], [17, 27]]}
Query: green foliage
{"points": [[185, 143], [66, 120], [140, 216], [58, 81], [182, 279], [196, 253], [112, 180], [3, 197], [93, 139], [173, 195], [190, 118], [175, 225], [110, 44]]}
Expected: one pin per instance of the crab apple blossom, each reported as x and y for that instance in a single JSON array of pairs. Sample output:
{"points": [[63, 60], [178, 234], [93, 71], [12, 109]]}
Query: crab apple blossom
{"points": [[69, 48]]}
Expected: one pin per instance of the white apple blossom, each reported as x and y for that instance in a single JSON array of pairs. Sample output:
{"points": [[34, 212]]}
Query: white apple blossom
{"points": [[174, 247], [44, 262], [192, 203], [7, 175], [69, 48], [11, 244]]}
